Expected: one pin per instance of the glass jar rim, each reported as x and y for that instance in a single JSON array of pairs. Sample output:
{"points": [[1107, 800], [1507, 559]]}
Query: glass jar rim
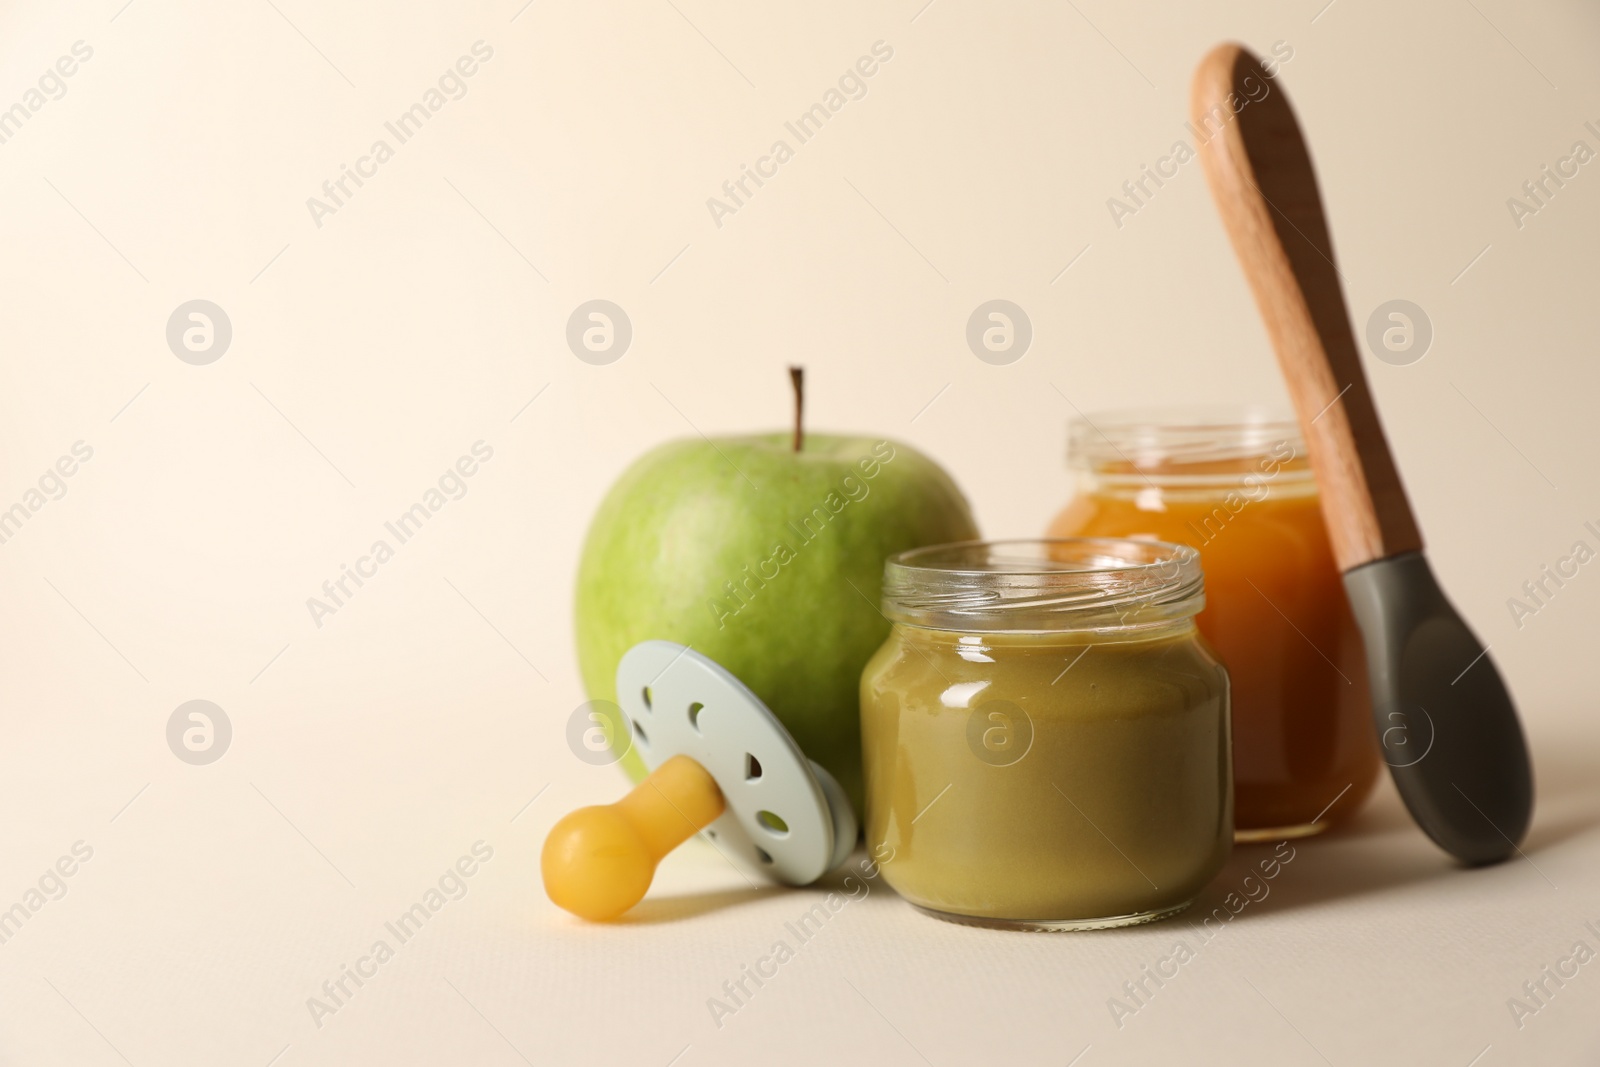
{"points": [[1156, 439], [1033, 586]]}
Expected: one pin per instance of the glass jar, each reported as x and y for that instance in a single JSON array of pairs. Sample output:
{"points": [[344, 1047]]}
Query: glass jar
{"points": [[1237, 485], [1045, 734]]}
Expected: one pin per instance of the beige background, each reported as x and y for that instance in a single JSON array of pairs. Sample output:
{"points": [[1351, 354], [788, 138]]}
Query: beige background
{"points": [[370, 352]]}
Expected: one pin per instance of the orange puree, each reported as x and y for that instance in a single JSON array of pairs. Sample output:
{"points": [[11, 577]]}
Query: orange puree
{"points": [[1276, 614]]}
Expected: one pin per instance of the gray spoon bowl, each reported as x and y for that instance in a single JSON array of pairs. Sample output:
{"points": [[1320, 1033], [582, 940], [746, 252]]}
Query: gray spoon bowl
{"points": [[1448, 729]]}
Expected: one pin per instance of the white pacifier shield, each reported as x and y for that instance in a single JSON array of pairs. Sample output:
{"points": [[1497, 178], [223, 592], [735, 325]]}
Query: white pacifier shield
{"points": [[786, 816]]}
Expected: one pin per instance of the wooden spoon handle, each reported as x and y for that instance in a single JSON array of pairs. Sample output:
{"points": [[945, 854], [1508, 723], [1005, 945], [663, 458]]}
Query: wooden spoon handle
{"points": [[1260, 174]]}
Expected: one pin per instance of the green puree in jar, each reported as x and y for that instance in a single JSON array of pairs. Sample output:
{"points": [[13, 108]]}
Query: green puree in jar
{"points": [[1074, 776]]}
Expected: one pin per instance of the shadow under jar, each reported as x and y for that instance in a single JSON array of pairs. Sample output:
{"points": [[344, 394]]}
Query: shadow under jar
{"points": [[1237, 485], [1045, 734]]}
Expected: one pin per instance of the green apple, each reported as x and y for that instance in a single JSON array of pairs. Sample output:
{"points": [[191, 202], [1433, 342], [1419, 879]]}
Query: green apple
{"points": [[768, 560]]}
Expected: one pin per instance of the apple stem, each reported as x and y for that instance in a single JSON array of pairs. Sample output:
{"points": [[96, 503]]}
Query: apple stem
{"points": [[797, 377]]}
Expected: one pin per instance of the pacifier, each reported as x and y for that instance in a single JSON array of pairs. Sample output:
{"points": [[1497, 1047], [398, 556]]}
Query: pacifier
{"points": [[720, 763]]}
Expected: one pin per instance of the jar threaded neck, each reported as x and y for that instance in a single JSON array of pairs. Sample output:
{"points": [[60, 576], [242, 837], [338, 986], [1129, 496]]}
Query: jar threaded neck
{"points": [[1040, 586]]}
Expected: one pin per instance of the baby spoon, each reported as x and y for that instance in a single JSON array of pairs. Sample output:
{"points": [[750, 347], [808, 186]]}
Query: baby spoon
{"points": [[1446, 723], [721, 763]]}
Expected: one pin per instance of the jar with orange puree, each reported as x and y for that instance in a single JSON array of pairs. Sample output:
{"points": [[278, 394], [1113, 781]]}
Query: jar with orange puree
{"points": [[1237, 486]]}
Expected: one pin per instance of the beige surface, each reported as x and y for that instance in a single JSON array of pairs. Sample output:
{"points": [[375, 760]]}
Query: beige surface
{"points": [[370, 353]]}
